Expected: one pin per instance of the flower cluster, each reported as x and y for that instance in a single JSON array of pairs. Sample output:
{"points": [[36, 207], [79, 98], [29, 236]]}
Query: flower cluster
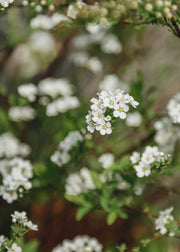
{"points": [[48, 22], [163, 219], [10, 146], [106, 160], [167, 135], [59, 89], [62, 105], [53, 88], [48, 89], [18, 113], [15, 178], [80, 182], [73, 10], [62, 155], [28, 91], [21, 218], [173, 108], [112, 82], [150, 157], [106, 108], [80, 244], [20, 226], [5, 3]]}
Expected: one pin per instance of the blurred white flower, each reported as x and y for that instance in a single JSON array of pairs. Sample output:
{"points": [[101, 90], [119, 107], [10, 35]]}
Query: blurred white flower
{"points": [[133, 119], [28, 91], [18, 113]]}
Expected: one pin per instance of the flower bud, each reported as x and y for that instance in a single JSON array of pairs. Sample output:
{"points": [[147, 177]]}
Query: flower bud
{"points": [[158, 14], [133, 5], [159, 3], [149, 7], [174, 7]]}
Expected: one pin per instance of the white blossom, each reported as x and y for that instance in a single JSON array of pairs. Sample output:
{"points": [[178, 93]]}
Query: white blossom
{"points": [[80, 244], [55, 87], [105, 107], [106, 160], [167, 135], [48, 22], [78, 183], [173, 108], [15, 176], [18, 113], [133, 119], [14, 248], [164, 218], [142, 163], [112, 82], [62, 155], [11, 146], [5, 3], [28, 91], [62, 105], [111, 44]]}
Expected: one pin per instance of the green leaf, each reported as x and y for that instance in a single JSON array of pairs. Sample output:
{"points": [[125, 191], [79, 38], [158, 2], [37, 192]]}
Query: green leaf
{"points": [[31, 246], [137, 87], [96, 180], [104, 201], [122, 214], [111, 218], [122, 247], [81, 212], [79, 200], [145, 242]]}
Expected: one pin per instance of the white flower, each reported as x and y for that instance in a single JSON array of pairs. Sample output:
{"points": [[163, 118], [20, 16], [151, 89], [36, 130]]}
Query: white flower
{"points": [[104, 128], [164, 218], [121, 110], [173, 108], [18, 113], [11, 146], [142, 169], [135, 157], [72, 11], [167, 134], [133, 119], [48, 22], [28, 91], [111, 44], [62, 105], [5, 3], [31, 226], [62, 156], [14, 248], [80, 244], [2, 240], [111, 82], [20, 217], [106, 160], [93, 27], [148, 157], [16, 174], [55, 87], [108, 104], [94, 65], [78, 183]]}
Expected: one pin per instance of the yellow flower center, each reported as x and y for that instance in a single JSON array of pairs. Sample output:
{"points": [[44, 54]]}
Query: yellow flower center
{"points": [[111, 103], [144, 169], [121, 109], [99, 105], [104, 126], [99, 115]]}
